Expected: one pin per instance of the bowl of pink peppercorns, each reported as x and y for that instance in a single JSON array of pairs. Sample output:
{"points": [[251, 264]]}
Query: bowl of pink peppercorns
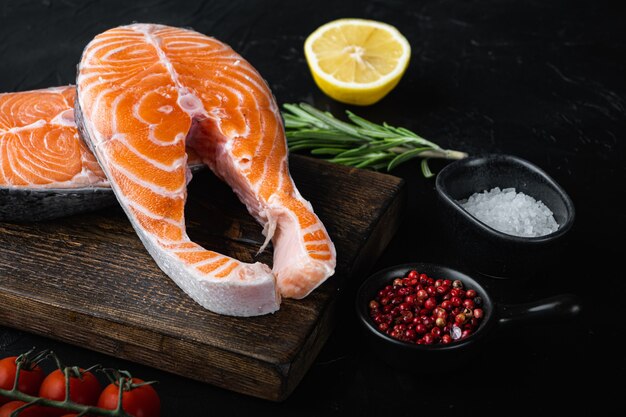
{"points": [[411, 310]]}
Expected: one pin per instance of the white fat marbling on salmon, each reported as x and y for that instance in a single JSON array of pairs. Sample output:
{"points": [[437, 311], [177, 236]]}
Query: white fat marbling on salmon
{"points": [[175, 165], [65, 118], [145, 211], [35, 125], [171, 193]]}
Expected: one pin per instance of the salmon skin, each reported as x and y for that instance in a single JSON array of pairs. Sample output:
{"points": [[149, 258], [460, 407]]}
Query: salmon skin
{"points": [[145, 92], [46, 171]]}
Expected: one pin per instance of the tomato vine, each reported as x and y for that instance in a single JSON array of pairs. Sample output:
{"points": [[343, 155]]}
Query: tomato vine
{"points": [[122, 384]]}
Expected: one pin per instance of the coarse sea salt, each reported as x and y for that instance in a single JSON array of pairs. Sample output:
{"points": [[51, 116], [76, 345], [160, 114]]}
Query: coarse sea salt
{"points": [[510, 212]]}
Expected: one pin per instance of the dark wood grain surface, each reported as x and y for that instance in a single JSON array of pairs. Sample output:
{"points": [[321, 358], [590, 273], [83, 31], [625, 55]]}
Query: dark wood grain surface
{"points": [[88, 280]]}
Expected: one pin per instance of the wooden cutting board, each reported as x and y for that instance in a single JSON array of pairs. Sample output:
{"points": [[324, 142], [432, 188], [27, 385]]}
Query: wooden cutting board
{"points": [[87, 280]]}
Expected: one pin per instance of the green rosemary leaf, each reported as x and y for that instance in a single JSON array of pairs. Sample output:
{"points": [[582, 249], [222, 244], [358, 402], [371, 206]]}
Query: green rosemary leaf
{"points": [[355, 160], [304, 116], [407, 132], [330, 120], [323, 135], [368, 162], [399, 131], [421, 141], [315, 146], [378, 134], [426, 169], [293, 124], [378, 166], [373, 148], [364, 123], [327, 151], [293, 117], [405, 156], [361, 150]]}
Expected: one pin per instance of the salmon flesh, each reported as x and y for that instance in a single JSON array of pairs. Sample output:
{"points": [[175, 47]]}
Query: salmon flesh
{"points": [[144, 93], [46, 171]]}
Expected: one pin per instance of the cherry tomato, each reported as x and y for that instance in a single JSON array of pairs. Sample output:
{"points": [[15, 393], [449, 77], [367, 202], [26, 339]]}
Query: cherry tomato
{"points": [[29, 381], [140, 401], [32, 411], [84, 390]]}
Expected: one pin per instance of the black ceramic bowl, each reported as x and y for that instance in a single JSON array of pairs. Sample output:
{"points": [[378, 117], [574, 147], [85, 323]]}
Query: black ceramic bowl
{"points": [[483, 248], [408, 356]]}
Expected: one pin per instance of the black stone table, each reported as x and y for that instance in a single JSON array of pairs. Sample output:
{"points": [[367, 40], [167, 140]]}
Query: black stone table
{"points": [[543, 80]]}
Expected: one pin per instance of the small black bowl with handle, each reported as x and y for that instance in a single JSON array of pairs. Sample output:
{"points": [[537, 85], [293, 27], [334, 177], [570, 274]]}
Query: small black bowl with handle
{"points": [[484, 249], [411, 356]]}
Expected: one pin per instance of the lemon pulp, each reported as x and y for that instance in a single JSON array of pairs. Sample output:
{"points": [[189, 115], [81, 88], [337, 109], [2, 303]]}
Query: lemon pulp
{"points": [[357, 61]]}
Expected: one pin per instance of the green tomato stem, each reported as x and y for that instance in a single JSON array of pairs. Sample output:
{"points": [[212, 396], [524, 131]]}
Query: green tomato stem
{"points": [[66, 404], [70, 406]]}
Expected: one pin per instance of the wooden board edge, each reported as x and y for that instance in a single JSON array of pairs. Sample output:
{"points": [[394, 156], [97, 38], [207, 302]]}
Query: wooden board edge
{"points": [[186, 358]]}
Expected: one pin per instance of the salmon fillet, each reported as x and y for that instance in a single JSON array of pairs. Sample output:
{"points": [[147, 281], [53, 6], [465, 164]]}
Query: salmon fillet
{"points": [[39, 143], [145, 92]]}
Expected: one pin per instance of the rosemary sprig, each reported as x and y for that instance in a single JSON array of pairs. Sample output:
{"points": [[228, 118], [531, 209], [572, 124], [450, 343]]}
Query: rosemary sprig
{"points": [[361, 143]]}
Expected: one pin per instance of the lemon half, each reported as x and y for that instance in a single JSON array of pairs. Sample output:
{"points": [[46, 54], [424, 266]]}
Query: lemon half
{"points": [[357, 61]]}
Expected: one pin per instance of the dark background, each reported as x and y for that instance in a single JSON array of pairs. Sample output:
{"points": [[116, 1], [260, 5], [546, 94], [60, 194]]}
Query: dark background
{"points": [[542, 80]]}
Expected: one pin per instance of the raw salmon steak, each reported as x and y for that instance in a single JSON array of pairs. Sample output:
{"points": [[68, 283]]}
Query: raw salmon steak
{"points": [[145, 92], [39, 143], [46, 171]]}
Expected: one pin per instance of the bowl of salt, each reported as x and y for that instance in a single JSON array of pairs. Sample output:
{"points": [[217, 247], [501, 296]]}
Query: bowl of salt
{"points": [[504, 216]]}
